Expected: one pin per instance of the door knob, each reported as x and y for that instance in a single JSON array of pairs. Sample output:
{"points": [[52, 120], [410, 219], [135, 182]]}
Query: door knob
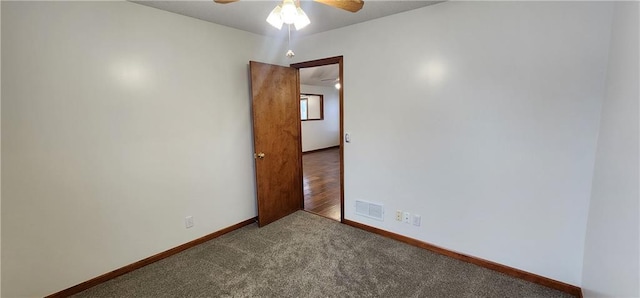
{"points": [[258, 155]]}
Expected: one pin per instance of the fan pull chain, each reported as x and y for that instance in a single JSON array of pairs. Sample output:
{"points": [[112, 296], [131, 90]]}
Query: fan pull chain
{"points": [[290, 53]]}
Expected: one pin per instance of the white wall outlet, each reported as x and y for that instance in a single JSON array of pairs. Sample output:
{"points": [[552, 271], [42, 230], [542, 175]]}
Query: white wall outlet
{"points": [[399, 215], [416, 220], [188, 221], [406, 217]]}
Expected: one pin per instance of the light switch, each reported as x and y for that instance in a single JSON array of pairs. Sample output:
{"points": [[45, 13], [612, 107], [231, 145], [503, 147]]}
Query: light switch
{"points": [[347, 137]]}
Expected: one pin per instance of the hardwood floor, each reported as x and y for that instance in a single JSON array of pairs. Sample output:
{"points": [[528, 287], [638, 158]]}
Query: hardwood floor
{"points": [[321, 182]]}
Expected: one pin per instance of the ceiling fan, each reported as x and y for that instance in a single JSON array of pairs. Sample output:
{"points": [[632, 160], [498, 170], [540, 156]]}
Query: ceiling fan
{"points": [[289, 12], [348, 5], [337, 84]]}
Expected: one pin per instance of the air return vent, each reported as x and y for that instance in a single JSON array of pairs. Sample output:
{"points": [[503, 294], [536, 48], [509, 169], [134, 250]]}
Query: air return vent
{"points": [[372, 210]]}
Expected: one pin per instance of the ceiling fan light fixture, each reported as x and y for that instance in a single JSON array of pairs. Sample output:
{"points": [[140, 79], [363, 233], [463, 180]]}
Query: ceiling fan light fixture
{"points": [[302, 20], [274, 17], [288, 13]]}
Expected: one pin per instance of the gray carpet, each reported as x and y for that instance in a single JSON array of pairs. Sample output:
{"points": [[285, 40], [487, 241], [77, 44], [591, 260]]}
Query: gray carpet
{"points": [[304, 255]]}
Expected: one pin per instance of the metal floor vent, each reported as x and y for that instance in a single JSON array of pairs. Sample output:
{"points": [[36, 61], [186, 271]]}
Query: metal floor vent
{"points": [[372, 210]]}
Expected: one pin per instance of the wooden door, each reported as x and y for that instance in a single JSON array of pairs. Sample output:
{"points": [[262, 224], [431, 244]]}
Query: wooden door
{"points": [[276, 140]]}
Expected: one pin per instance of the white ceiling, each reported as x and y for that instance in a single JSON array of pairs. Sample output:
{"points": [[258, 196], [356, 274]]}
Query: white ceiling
{"points": [[251, 15]]}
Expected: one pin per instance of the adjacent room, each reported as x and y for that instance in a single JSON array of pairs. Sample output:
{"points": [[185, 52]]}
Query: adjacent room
{"points": [[320, 136], [477, 148]]}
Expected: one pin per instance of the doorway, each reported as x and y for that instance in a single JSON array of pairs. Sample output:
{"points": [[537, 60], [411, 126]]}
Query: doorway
{"points": [[321, 114]]}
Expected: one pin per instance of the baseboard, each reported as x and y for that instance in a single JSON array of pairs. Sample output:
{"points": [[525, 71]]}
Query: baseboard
{"points": [[541, 280], [144, 262], [321, 149]]}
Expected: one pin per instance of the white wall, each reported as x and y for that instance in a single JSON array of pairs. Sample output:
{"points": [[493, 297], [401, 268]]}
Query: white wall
{"points": [[118, 120], [322, 133], [611, 249], [0, 154], [480, 116]]}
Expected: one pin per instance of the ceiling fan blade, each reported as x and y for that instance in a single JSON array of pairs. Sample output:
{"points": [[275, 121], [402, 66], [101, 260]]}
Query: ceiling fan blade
{"points": [[224, 1], [348, 5]]}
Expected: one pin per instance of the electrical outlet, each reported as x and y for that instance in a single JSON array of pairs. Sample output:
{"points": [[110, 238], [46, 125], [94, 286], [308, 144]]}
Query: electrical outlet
{"points": [[416, 220], [407, 215], [188, 221], [399, 215]]}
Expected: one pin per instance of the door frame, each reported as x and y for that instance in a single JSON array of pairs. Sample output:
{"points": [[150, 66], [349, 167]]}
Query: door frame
{"points": [[322, 62]]}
